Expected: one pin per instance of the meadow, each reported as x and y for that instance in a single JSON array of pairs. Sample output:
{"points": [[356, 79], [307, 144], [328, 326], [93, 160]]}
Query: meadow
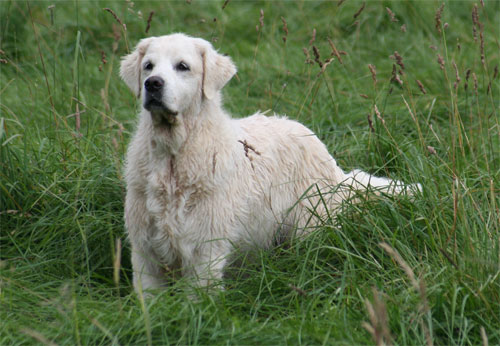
{"points": [[405, 89]]}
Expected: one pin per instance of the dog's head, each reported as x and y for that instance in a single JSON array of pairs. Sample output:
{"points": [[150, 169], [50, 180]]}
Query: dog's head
{"points": [[174, 72]]}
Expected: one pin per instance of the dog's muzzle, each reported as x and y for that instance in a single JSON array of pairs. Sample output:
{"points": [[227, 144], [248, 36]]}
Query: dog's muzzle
{"points": [[153, 100]]}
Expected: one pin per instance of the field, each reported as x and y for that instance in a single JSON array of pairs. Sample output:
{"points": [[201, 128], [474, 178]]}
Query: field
{"points": [[408, 90]]}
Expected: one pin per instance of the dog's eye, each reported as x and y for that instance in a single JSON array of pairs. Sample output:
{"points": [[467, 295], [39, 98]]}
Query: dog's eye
{"points": [[182, 66], [148, 66]]}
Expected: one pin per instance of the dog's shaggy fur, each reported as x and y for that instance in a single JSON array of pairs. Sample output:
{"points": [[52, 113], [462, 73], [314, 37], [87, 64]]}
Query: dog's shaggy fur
{"points": [[200, 183]]}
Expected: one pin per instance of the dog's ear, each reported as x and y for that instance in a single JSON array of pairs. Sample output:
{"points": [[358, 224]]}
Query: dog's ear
{"points": [[217, 69], [130, 68]]}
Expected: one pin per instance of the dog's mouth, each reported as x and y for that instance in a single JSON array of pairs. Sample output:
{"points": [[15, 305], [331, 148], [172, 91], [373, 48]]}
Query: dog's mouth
{"points": [[161, 114]]}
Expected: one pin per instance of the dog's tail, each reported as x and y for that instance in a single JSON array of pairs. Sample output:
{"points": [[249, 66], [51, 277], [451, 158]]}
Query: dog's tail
{"points": [[358, 180]]}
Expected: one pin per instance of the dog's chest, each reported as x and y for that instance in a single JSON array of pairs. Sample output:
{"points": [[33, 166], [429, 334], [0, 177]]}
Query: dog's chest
{"points": [[170, 202]]}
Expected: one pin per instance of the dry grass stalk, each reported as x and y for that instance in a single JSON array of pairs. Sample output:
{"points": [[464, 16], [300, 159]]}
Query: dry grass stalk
{"points": [[403, 28], [248, 147], [148, 26], [431, 150], [392, 15], [37, 336], [440, 61], [419, 286], [495, 72], [439, 12], [285, 29], [340, 3], [484, 337], [261, 18], [116, 17], [117, 261], [77, 119], [364, 96], [317, 58], [324, 65], [378, 326], [359, 11], [335, 52], [298, 290], [373, 71], [313, 38], [421, 86]]}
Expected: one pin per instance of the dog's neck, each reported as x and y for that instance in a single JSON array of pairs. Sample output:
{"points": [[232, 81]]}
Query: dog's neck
{"points": [[205, 120]]}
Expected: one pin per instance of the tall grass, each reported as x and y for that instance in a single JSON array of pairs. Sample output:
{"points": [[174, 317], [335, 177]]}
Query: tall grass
{"points": [[408, 90]]}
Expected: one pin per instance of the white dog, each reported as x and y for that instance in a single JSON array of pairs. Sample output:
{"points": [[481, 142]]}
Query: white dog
{"points": [[200, 183]]}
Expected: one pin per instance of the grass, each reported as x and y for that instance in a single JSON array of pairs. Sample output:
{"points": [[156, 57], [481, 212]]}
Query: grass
{"points": [[395, 270]]}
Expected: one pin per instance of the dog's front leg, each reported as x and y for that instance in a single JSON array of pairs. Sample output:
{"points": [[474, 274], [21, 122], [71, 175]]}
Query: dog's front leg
{"points": [[148, 273], [205, 265]]}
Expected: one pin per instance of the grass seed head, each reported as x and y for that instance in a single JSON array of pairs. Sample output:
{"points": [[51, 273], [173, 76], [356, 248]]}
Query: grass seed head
{"points": [[377, 314], [116, 17], [392, 15], [373, 71], [421, 86], [313, 38], [285, 29], [225, 4], [395, 76], [457, 76], [308, 57], [440, 61], [377, 113], [403, 28], [439, 12], [356, 15], [467, 75], [370, 123], [335, 52], [481, 46], [317, 56], [149, 21], [474, 78], [399, 59]]}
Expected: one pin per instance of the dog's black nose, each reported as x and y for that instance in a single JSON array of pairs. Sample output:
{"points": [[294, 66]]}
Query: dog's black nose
{"points": [[154, 84]]}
